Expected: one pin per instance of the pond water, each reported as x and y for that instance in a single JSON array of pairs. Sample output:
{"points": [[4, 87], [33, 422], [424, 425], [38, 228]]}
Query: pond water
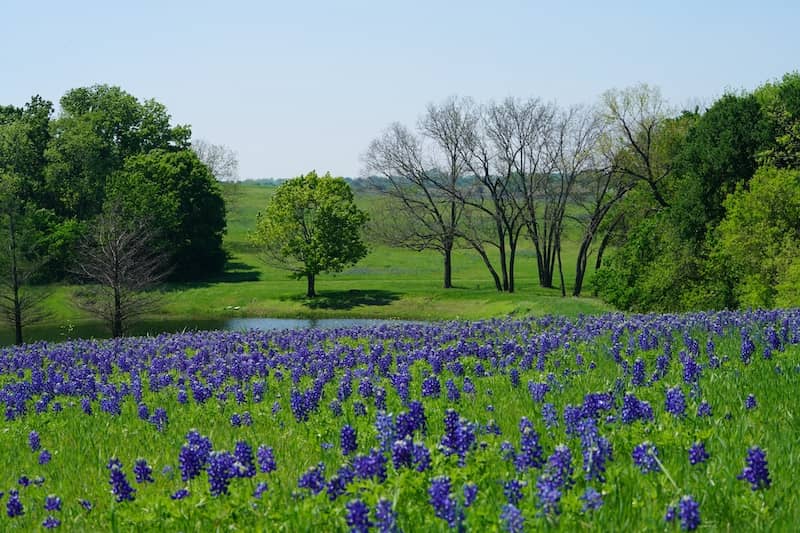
{"points": [[96, 330]]}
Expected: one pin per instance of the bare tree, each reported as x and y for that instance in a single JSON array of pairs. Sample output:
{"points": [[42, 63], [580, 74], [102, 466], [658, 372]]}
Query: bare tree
{"points": [[21, 259], [222, 161], [120, 259], [597, 190], [636, 117], [421, 174]]}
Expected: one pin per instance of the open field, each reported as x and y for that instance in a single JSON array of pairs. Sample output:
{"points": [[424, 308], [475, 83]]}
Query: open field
{"points": [[605, 423], [388, 283]]}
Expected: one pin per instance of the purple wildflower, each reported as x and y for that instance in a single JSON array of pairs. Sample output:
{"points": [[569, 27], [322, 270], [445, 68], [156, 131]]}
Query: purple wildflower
{"points": [[221, 469], [750, 402], [470, 493], [119, 483], [675, 402], [52, 503], [44, 457], [348, 439], [260, 489], [698, 453], [14, 507], [266, 459], [313, 479], [592, 500], [33, 441], [645, 456], [358, 516], [689, 513], [142, 471], [51, 522], [513, 521], [386, 518], [756, 472], [243, 453], [180, 494]]}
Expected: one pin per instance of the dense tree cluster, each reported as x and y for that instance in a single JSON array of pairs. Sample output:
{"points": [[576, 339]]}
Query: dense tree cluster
{"points": [[727, 232], [59, 173]]}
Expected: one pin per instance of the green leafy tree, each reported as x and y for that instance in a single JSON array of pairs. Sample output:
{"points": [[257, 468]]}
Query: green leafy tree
{"points": [[310, 226], [180, 197], [99, 128], [759, 239]]}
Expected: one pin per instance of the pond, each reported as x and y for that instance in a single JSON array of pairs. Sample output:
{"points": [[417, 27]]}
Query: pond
{"points": [[59, 333]]}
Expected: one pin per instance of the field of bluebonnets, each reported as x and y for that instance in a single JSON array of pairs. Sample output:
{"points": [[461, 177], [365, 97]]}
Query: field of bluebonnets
{"points": [[661, 422]]}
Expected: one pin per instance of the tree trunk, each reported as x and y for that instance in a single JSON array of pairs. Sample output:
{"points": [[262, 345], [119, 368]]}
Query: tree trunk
{"points": [[561, 270], [15, 282], [448, 265], [116, 326], [310, 292], [497, 283], [580, 267]]}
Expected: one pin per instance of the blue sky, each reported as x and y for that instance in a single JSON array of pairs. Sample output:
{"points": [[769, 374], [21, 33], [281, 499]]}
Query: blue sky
{"points": [[295, 86]]}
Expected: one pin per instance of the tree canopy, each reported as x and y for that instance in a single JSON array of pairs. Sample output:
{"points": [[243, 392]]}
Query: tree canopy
{"points": [[310, 226]]}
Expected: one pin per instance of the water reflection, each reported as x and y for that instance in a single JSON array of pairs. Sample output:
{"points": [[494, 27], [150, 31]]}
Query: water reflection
{"points": [[96, 330]]}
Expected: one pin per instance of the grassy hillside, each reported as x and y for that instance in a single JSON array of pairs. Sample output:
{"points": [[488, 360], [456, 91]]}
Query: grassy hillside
{"points": [[388, 283]]}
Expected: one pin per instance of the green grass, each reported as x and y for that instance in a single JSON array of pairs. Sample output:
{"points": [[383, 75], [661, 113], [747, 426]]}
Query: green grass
{"points": [[388, 283]]}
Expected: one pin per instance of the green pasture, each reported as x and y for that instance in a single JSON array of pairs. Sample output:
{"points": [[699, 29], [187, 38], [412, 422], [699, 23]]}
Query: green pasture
{"points": [[388, 283]]}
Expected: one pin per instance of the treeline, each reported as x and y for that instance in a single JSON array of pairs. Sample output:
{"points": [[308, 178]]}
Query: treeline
{"points": [[105, 153], [689, 210]]}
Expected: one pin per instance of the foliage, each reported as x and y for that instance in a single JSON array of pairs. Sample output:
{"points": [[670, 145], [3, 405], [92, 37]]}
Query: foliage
{"points": [[184, 203], [311, 225], [759, 239]]}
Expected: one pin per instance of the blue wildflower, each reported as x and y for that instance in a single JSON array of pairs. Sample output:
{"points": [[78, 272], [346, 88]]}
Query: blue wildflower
{"points": [[266, 459], [592, 500], [645, 456], [689, 513], [756, 472], [358, 516], [513, 521], [698, 453]]}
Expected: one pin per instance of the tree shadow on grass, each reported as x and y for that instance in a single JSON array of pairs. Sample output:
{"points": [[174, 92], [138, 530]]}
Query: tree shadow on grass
{"points": [[237, 272], [345, 300]]}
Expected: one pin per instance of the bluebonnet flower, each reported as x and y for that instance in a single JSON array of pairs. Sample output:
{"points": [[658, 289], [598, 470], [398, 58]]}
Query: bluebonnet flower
{"points": [[384, 428], [470, 493], [453, 394], [359, 409], [638, 373], [459, 436], [750, 402], [260, 489], [596, 450], [371, 465], [592, 500], [24, 481], [675, 402], [33, 441], [549, 492], [159, 418], [704, 409], [51, 522], [559, 466], [402, 453], [180, 494], [431, 388], [691, 370], [183, 397], [698, 453], [380, 398], [747, 347], [86, 406], [348, 439], [243, 453], [444, 505], [513, 521], [365, 388], [52, 503], [119, 483], [336, 408], [313, 479], [358, 516], [142, 471], [14, 506], [44, 457], [756, 472], [550, 416], [634, 409], [512, 490], [86, 504], [266, 459], [236, 420], [669, 516], [514, 375], [385, 517], [422, 457], [221, 469], [689, 513], [143, 411], [469, 386], [645, 456], [538, 390]]}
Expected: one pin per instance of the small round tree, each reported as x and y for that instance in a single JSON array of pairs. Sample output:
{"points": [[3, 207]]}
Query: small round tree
{"points": [[310, 226]]}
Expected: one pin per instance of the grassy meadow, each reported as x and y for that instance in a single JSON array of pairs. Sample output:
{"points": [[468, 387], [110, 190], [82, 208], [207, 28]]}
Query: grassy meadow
{"points": [[388, 283]]}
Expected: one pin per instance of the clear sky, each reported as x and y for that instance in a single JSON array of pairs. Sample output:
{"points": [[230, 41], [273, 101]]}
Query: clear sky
{"points": [[299, 85]]}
